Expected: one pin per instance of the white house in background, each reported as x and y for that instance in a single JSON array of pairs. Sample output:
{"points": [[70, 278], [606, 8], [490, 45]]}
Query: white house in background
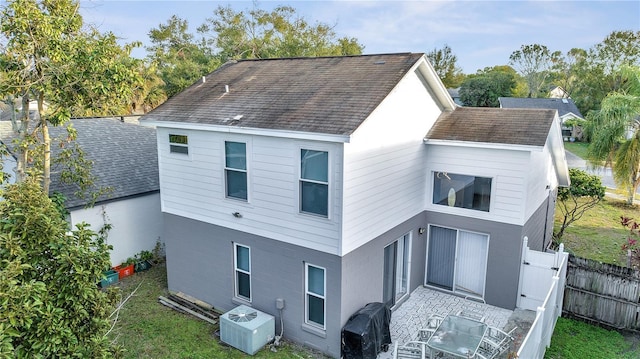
{"points": [[318, 185], [124, 160]]}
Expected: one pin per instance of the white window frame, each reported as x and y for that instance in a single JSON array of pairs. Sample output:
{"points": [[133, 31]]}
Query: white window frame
{"points": [[179, 145], [307, 293], [246, 171], [300, 180], [239, 270]]}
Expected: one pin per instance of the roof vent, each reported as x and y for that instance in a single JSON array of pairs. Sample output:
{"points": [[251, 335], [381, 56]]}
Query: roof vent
{"points": [[226, 88], [380, 62], [564, 100]]}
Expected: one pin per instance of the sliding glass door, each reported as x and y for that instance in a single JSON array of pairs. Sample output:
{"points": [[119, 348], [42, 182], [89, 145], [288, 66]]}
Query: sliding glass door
{"points": [[396, 270], [457, 260]]}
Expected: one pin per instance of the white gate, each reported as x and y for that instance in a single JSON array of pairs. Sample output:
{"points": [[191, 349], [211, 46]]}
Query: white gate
{"points": [[536, 275]]}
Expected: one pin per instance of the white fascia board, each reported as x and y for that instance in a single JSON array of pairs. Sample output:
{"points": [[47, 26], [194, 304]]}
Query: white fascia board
{"points": [[298, 135], [436, 86], [496, 146]]}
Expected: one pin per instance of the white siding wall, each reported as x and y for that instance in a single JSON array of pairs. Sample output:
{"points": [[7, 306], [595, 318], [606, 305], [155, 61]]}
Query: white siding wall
{"points": [[508, 169], [137, 224], [193, 186], [384, 164], [541, 174]]}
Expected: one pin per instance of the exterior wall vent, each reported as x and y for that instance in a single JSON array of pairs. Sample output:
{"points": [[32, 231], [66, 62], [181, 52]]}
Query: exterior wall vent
{"points": [[247, 329]]}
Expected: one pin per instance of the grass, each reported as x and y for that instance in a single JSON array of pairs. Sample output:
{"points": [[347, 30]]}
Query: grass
{"points": [[147, 329], [577, 340], [577, 148], [598, 234]]}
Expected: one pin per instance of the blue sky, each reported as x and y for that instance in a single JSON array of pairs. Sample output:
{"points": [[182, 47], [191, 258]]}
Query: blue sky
{"points": [[480, 33]]}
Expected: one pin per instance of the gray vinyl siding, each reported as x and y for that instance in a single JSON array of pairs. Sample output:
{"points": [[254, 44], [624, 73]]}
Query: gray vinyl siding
{"points": [[362, 269], [503, 264], [200, 263], [539, 227]]}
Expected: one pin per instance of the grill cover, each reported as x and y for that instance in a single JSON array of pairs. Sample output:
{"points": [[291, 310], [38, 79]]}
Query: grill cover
{"points": [[367, 332]]}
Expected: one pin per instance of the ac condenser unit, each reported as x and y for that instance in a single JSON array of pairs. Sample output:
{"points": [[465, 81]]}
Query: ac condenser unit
{"points": [[247, 329]]}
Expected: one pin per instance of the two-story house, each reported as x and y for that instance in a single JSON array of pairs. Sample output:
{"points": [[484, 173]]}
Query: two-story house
{"points": [[328, 183]]}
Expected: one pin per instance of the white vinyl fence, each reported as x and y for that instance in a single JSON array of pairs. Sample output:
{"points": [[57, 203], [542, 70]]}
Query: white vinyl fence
{"points": [[543, 278]]}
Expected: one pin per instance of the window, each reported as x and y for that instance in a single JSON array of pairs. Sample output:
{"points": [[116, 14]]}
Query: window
{"points": [[314, 182], [314, 295], [178, 144], [235, 169], [242, 260], [454, 190]]}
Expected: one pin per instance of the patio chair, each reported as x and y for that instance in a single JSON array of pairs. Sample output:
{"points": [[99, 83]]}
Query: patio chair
{"points": [[433, 322], [411, 350], [494, 343], [471, 314]]}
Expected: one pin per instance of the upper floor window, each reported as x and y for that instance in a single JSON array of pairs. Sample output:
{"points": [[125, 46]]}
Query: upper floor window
{"points": [[235, 169], [315, 295], [178, 144], [314, 182], [242, 259], [456, 190]]}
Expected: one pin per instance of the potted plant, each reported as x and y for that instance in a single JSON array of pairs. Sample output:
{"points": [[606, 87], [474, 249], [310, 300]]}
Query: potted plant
{"points": [[109, 277], [126, 268], [143, 261]]}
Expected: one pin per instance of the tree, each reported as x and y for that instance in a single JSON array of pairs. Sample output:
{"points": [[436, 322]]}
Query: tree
{"points": [[279, 33], [50, 305], [484, 88], [533, 62], [444, 62], [615, 132], [49, 58], [599, 71], [179, 59], [585, 192]]}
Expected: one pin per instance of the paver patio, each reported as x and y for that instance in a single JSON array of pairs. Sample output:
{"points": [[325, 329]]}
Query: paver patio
{"points": [[412, 314]]}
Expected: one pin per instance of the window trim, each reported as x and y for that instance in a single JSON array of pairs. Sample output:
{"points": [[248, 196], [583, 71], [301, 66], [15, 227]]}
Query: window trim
{"points": [[307, 321], [236, 269], [328, 184], [225, 169], [178, 144], [475, 176]]}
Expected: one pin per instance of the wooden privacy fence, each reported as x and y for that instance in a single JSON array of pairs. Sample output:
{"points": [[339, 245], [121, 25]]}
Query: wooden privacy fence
{"points": [[603, 293]]}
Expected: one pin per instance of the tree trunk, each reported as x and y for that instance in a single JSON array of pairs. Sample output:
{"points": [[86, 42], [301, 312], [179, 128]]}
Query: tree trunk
{"points": [[46, 163]]}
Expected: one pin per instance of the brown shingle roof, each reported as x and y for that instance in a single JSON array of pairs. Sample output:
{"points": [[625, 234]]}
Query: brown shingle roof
{"points": [[494, 125], [331, 95]]}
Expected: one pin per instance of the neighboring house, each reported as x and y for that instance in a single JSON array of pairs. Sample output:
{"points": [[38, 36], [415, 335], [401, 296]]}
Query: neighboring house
{"points": [[455, 95], [567, 110], [558, 92], [125, 161], [309, 182]]}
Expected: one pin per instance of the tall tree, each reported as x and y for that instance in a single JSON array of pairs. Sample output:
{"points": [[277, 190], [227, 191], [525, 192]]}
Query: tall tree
{"points": [[484, 88], [50, 306], [68, 70], [533, 62], [281, 32], [178, 57], [615, 132], [599, 71], [445, 63]]}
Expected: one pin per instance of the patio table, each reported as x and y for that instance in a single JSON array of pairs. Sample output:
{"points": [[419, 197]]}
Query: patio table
{"points": [[457, 336]]}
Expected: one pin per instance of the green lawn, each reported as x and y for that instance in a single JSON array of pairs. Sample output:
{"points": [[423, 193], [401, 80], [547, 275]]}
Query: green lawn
{"points": [[577, 148], [577, 340], [147, 329]]}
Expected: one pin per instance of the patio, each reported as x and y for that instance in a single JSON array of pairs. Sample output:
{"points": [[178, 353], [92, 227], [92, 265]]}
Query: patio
{"points": [[412, 315]]}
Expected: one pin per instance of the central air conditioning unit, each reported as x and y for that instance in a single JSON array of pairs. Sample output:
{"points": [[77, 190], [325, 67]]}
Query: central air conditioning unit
{"points": [[247, 329]]}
